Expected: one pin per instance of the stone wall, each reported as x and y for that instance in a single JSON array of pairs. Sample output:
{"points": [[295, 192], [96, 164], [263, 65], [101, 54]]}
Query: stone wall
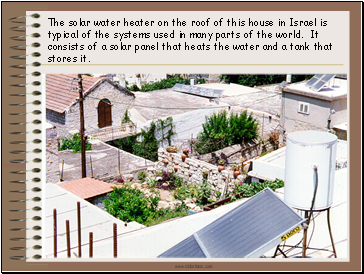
{"points": [[234, 154], [59, 121], [191, 170], [53, 173]]}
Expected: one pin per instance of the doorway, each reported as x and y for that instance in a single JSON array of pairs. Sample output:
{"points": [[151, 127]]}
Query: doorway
{"points": [[104, 113]]}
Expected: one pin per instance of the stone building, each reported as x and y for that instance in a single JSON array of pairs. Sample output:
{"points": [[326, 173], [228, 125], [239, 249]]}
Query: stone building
{"points": [[53, 173], [105, 103], [306, 109]]}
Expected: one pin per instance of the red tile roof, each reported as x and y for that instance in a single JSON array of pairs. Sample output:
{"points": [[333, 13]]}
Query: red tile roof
{"points": [[87, 187], [60, 93]]}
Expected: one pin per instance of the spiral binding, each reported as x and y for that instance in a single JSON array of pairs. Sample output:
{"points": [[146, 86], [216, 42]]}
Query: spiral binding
{"points": [[22, 28]]}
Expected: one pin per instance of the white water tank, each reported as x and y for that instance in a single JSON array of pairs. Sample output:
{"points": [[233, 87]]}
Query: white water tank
{"points": [[306, 150]]}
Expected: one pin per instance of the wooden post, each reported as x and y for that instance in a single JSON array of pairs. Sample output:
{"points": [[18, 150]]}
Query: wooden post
{"points": [[119, 164], [55, 232], [92, 170], [304, 244], [79, 228], [82, 127], [68, 238], [115, 241], [62, 171], [91, 245]]}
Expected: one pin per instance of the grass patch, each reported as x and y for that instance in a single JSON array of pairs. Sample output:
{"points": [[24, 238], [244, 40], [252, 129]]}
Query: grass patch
{"points": [[166, 214]]}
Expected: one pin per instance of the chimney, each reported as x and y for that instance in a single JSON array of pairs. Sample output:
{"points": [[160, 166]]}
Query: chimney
{"points": [[122, 81], [289, 78]]}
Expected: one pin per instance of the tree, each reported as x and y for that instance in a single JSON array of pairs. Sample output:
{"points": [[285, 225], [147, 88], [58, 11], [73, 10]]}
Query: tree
{"points": [[252, 80], [221, 130], [148, 146]]}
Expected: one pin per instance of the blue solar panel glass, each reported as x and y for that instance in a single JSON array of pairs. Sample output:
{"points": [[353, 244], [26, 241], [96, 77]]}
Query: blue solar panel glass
{"points": [[243, 232], [314, 80]]}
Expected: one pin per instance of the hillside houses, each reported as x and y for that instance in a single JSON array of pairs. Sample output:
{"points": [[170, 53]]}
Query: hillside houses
{"points": [[106, 102]]}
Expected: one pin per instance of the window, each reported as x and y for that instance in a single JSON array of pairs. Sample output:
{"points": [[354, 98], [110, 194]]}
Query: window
{"points": [[303, 108]]}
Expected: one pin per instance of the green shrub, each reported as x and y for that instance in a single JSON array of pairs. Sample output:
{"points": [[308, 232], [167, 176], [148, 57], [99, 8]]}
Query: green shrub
{"points": [[134, 87], [151, 181], [177, 181], [253, 188], [221, 131], [148, 146], [127, 143], [130, 205], [165, 130], [166, 83], [126, 118], [252, 80], [168, 180], [167, 213], [201, 193], [142, 175], [201, 80], [74, 144]]}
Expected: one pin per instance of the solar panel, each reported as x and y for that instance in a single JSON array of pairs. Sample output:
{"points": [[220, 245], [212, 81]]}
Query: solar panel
{"points": [[314, 80], [200, 91], [318, 81], [248, 231], [327, 77], [319, 85]]}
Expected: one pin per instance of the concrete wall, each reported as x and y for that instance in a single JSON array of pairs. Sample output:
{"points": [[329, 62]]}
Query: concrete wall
{"points": [[269, 167], [319, 113], [53, 173], [267, 123], [70, 120], [341, 114]]}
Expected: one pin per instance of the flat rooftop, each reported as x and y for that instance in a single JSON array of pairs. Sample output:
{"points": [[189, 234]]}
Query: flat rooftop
{"points": [[278, 157], [272, 165], [167, 102], [334, 89]]}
